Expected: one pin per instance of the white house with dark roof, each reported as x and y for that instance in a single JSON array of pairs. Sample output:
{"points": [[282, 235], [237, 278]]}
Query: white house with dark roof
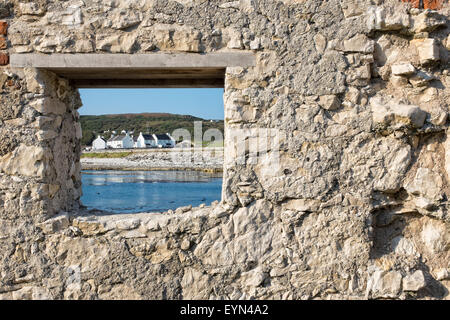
{"points": [[122, 141], [99, 143], [146, 141], [164, 140]]}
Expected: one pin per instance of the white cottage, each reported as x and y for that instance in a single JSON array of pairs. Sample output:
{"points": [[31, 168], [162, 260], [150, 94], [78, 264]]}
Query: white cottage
{"points": [[146, 141], [121, 142], [135, 142], [99, 144], [164, 140]]}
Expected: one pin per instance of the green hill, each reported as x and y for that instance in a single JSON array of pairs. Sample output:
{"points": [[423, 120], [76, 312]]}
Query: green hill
{"points": [[140, 122]]}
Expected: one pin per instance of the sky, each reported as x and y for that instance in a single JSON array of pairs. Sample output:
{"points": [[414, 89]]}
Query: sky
{"points": [[203, 103]]}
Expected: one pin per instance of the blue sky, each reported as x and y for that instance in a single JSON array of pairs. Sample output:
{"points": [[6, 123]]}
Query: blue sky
{"points": [[203, 103]]}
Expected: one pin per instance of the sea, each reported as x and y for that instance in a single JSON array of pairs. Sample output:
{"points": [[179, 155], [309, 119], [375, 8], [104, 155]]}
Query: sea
{"points": [[148, 191]]}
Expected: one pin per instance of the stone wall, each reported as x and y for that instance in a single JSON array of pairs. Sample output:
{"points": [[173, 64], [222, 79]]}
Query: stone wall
{"points": [[357, 207]]}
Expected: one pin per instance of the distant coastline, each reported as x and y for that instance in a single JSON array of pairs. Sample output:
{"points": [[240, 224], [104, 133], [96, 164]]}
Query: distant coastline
{"points": [[209, 160], [102, 168]]}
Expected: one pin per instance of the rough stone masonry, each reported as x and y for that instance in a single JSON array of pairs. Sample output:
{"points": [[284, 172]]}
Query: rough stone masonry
{"points": [[358, 208]]}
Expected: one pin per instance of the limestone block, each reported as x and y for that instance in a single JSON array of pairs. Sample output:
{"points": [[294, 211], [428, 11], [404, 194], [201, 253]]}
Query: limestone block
{"points": [[46, 134], [18, 122], [185, 244], [233, 38], [51, 45], [427, 21], [329, 102], [382, 161], [90, 227], [427, 184], [421, 79], [403, 69], [320, 43], [359, 76], [153, 225], [84, 46], [31, 8], [133, 234], [183, 209], [18, 39], [55, 224], [353, 95], [302, 205], [119, 291], [447, 43], [230, 4], [442, 274], [427, 49], [175, 38], [26, 160], [385, 284], [123, 19], [352, 8], [391, 113], [439, 118], [186, 40], [128, 224], [31, 293], [255, 44], [359, 43], [195, 284], [255, 277], [435, 237], [71, 16], [403, 246], [23, 49], [238, 113], [414, 281], [248, 6], [40, 81], [396, 159], [388, 18], [49, 105], [399, 81], [117, 43], [41, 121]]}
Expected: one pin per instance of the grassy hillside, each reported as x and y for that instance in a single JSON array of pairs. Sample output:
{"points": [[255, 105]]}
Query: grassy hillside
{"points": [[140, 122]]}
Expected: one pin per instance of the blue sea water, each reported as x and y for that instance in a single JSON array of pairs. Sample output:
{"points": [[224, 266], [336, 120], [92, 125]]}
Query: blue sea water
{"points": [[148, 191]]}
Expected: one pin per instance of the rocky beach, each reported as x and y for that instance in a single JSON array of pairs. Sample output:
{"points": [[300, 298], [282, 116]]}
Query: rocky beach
{"points": [[199, 159]]}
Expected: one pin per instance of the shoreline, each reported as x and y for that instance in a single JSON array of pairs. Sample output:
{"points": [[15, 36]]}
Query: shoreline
{"points": [[120, 168], [209, 160]]}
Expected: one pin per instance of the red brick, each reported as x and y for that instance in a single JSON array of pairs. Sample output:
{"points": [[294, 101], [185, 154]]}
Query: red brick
{"points": [[414, 3], [433, 4], [3, 28], [4, 59], [2, 42], [426, 4]]}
